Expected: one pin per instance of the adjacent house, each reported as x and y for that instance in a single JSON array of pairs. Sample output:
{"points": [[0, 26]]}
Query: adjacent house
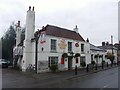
{"points": [[97, 54], [111, 50]]}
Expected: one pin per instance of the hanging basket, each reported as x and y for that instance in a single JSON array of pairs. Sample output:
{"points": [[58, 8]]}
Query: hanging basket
{"points": [[96, 56], [64, 55], [77, 55], [100, 56]]}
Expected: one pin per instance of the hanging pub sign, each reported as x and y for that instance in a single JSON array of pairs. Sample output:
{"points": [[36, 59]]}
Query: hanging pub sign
{"points": [[42, 37], [77, 44], [62, 44]]}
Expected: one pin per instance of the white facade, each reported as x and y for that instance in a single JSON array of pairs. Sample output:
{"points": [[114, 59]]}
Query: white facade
{"points": [[43, 56], [104, 51], [98, 60]]}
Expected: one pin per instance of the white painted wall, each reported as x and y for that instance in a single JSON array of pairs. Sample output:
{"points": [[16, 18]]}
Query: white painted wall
{"points": [[99, 59], [43, 55], [18, 35], [28, 51]]}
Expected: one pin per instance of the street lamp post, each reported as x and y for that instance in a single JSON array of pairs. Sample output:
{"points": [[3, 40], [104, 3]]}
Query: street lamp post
{"points": [[36, 38]]}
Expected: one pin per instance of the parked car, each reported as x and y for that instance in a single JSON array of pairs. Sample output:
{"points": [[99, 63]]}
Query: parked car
{"points": [[4, 63]]}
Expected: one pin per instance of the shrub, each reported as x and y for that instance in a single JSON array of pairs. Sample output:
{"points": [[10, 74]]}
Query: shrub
{"points": [[64, 55], [93, 62], [83, 64], [54, 68]]}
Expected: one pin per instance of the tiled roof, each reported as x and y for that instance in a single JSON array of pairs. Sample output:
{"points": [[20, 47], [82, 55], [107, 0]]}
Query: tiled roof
{"points": [[62, 32], [106, 47]]}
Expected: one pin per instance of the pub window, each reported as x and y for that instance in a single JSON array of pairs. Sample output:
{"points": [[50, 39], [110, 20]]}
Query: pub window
{"points": [[82, 47], [69, 46], [53, 45], [52, 61], [82, 59]]}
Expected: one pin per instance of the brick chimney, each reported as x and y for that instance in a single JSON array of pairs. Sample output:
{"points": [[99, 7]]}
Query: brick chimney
{"points": [[103, 43], [107, 43]]}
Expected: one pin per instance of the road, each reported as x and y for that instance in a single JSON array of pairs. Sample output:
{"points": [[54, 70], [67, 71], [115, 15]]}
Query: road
{"points": [[102, 79]]}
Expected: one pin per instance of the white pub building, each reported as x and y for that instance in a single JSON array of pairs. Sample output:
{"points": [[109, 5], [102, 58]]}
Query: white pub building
{"points": [[60, 46]]}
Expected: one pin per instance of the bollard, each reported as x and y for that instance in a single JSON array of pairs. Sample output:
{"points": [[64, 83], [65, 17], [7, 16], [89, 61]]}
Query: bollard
{"points": [[96, 67], [102, 65], [87, 68], [107, 64], [76, 70]]}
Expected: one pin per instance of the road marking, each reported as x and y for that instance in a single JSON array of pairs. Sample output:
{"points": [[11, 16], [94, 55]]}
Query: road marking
{"points": [[106, 86]]}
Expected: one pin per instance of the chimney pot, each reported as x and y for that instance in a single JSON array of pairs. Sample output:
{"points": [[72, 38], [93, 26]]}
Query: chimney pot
{"points": [[76, 29], [18, 23], [76, 26], [33, 8], [87, 40], [107, 43], [103, 43], [29, 7]]}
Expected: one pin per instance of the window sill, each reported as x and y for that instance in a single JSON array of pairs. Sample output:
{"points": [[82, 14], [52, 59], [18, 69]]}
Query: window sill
{"points": [[53, 51], [83, 52]]}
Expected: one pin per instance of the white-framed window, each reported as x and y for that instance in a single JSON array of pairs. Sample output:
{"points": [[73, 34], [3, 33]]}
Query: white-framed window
{"points": [[53, 45], [69, 46], [82, 59], [82, 47], [52, 61]]}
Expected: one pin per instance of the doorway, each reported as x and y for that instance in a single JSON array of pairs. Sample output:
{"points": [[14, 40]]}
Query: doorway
{"points": [[69, 63]]}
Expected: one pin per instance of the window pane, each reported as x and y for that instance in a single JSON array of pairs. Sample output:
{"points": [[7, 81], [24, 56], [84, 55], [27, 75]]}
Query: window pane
{"points": [[82, 59], [53, 44], [69, 46], [53, 60], [82, 47]]}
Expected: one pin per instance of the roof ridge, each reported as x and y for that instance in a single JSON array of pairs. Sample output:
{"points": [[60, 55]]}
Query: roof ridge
{"points": [[60, 27]]}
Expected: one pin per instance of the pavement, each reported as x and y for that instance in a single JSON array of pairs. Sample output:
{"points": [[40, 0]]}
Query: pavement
{"points": [[68, 74]]}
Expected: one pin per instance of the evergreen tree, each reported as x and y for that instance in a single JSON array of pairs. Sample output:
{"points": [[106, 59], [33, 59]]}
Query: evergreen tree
{"points": [[8, 42]]}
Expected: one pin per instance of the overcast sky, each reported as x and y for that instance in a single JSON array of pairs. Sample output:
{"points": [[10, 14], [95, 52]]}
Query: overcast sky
{"points": [[96, 19]]}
